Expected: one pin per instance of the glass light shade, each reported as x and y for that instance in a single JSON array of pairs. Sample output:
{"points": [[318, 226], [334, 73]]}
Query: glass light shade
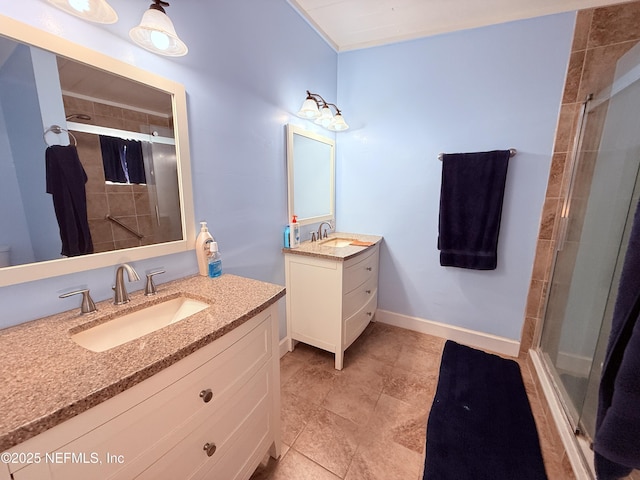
{"points": [[309, 109], [326, 117], [98, 11], [338, 124], [157, 34]]}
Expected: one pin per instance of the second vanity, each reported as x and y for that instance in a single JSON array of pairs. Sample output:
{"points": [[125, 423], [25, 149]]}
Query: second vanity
{"points": [[332, 291], [197, 399]]}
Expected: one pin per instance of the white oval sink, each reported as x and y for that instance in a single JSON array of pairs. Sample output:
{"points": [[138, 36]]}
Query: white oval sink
{"points": [[130, 326], [336, 242]]}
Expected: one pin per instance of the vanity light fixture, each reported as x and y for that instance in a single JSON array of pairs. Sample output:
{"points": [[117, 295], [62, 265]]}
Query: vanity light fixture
{"points": [[317, 109], [156, 32], [98, 11]]}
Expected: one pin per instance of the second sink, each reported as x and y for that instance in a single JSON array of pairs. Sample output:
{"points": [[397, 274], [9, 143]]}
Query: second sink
{"points": [[130, 326], [336, 242]]}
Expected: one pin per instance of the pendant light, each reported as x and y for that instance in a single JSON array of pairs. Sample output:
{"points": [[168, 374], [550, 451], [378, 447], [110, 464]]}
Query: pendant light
{"points": [[156, 32], [98, 11], [317, 109]]}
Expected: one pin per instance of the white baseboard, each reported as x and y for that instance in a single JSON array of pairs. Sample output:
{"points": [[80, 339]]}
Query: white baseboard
{"points": [[574, 452], [472, 338]]}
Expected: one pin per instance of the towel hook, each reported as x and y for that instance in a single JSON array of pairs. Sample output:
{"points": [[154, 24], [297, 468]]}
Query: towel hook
{"points": [[57, 129]]}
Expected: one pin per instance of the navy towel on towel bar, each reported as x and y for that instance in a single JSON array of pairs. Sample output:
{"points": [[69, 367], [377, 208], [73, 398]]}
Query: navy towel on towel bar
{"points": [[471, 198]]}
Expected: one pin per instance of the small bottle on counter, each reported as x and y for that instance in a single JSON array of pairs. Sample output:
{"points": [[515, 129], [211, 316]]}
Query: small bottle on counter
{"points": [[295, 232], [215, 260]]}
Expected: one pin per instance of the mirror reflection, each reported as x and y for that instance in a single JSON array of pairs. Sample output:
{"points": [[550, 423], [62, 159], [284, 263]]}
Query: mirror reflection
{"points": [[311, 172], [120, 191]]}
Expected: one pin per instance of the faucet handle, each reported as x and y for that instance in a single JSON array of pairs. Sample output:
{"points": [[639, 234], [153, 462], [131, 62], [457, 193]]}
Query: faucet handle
{"points": [[87, 306], [150, 287], [313, 236]]}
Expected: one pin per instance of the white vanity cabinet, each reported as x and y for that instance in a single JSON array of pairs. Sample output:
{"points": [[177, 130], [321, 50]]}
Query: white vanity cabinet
{"points": [[330, 301], [214, 414]]}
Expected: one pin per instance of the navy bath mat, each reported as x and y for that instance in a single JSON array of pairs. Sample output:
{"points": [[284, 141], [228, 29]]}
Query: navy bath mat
{"points": [[480, 425]]}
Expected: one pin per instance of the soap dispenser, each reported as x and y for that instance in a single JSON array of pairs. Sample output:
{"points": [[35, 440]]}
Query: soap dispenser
{"points": [[203, 240], [295, 232]]}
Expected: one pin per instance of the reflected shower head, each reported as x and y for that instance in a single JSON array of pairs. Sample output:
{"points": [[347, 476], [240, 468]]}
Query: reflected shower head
{"points": [[79, 116]]}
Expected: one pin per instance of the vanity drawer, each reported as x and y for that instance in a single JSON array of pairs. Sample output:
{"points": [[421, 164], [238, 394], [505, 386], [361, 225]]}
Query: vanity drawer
{"points": [[356, 298], [360, 269], [249, 411], [148, 429], [355, 325]]}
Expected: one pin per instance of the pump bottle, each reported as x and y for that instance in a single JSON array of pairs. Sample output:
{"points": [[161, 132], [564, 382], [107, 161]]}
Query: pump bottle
{"points": [[203, 240], [295, 232]]}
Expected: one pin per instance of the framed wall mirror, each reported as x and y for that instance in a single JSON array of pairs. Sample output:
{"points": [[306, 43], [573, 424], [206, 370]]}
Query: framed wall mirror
{"points": [[311, 176], [129, 129]]}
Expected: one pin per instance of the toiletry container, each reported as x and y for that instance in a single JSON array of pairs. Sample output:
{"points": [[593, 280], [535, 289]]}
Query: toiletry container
{"points": [[203, 240], [4, 255], [295, 232], [215, 260], [287, 236]]}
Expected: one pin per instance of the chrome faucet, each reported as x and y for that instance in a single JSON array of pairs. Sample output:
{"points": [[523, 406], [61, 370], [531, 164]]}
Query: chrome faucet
{"points": [[120, 292], [320, 235]]}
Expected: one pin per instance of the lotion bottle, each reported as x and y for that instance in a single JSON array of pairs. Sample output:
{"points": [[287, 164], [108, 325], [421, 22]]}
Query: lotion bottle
{"points": [[295, 232], [203, 240]]}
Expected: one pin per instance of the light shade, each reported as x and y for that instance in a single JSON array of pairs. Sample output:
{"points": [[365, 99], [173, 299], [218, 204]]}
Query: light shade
{"points": [[326, 117], [98, 11], [309, 109], [338, 124], [157, 34]]}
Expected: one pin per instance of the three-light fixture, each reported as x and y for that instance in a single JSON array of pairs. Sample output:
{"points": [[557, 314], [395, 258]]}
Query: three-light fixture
{"points": [[155, 32], [317, 109]]}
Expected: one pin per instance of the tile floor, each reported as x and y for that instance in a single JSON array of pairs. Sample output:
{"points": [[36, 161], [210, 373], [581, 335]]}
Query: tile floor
{"points": [[368, 421]]}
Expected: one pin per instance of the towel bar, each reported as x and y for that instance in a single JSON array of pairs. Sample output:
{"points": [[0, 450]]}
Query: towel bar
{"points": [[512, 153]]}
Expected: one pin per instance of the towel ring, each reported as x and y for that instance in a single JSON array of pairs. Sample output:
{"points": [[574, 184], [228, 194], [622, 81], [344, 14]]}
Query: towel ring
{"points": [[57, 129]]}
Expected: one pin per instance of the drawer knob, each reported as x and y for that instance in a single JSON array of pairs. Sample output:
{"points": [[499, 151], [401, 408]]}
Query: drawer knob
{"points": [[206, 395], [368, 292], [369, 269], [210, 448]]}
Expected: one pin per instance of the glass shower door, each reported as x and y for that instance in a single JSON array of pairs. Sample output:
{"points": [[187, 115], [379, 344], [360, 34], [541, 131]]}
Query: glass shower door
{"points": [[591, 248]]}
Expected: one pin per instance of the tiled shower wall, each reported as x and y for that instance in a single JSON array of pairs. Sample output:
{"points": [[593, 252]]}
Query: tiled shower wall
{"points": [[131, 204], [601, 37]]}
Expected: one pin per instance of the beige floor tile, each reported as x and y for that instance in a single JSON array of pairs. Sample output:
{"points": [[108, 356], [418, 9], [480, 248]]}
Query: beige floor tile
{"points": [[313, 383], [353, 401], [399, 422], [378, 459], [330, 441], [414, 388], [292, 466], [295, 412]]}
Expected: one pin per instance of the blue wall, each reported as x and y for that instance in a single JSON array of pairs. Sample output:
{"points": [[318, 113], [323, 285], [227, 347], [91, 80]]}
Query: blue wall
{"points": [[249, 64], [489, 88]]}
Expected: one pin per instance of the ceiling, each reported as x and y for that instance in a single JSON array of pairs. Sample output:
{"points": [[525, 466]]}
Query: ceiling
{"points": [[354, 24]]}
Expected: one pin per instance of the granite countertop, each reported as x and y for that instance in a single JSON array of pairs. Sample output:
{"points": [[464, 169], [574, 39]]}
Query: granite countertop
{"points": [[47, 378], [317, 249]]}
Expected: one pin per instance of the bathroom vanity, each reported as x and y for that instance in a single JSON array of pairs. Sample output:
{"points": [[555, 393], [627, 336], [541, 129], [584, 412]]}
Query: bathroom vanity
{"points": [[196, 399], [332, 291]]}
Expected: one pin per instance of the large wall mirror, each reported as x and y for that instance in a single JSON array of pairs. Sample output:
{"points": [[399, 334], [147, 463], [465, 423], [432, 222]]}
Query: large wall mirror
{"points": [[311, 176], [129, 129]]}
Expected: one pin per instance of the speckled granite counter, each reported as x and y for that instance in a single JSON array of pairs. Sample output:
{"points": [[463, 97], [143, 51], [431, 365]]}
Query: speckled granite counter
{"points": [[317, 249], [47, 378]]}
